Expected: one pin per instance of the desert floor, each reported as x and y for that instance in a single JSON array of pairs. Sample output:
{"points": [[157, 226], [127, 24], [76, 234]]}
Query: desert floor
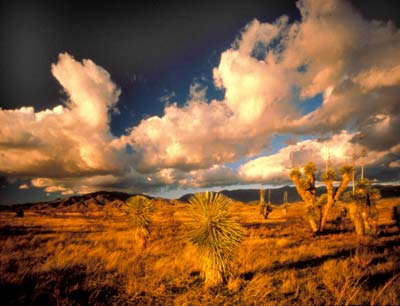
{"points": [[55, 257]]}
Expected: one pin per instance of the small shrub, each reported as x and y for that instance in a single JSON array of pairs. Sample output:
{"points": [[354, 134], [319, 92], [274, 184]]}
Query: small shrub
{"points": [[216, 234], [343, 281], [265, 210], [362, 258], [396, 215], [19, 213]]}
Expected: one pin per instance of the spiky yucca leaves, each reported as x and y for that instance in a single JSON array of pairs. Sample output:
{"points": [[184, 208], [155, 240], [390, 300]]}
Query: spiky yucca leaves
{"points": [[138, 209], [365, 194], [216, 234], [329, 176], [295, 173], [309, 170], [305, 186]]}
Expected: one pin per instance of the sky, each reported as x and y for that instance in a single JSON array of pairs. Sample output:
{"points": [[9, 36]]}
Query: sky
{"points": [[168, 97]]}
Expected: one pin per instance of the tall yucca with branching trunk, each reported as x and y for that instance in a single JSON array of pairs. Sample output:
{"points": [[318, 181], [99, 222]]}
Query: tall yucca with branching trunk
{"points": [[138, 209], [332, 197], [317, 212], [216, 233]]}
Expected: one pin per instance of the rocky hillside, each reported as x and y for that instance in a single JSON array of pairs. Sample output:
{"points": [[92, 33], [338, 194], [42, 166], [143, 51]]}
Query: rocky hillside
{"points": [[90, 201]]}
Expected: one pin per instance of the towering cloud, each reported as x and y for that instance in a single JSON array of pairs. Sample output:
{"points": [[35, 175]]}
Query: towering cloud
{"points": [[69, 140]]}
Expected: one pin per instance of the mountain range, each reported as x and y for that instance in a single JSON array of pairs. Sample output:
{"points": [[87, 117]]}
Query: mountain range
{"points": [[277, 194], [91, 201]]}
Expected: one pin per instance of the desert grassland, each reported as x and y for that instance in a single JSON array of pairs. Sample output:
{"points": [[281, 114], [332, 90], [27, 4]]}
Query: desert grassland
{"points": [[67, 258]]}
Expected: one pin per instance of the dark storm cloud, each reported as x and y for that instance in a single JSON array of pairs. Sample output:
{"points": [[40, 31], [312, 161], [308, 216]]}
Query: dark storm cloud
{"points": [[150, 38]]}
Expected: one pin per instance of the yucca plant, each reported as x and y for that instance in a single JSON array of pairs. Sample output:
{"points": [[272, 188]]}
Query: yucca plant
{"points": [[363, 212], [265, 208], [216, 234], [318, 209], [138, 209], [262, 201]]}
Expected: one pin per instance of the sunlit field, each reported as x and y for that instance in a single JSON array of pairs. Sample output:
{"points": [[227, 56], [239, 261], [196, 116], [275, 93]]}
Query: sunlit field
{"points": [[71, 258]]}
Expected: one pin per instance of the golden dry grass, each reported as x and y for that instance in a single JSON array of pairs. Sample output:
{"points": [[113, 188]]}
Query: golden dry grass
{"points": [[74, 259]]}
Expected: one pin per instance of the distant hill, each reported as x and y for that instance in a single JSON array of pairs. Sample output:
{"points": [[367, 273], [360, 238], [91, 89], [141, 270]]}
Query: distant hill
{"points": [[389, 191], [251, 195], [79, 202]]}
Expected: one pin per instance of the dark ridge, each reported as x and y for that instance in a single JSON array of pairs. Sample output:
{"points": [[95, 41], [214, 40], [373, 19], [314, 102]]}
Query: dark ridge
{"points": [[78, 202], [252, 195]]}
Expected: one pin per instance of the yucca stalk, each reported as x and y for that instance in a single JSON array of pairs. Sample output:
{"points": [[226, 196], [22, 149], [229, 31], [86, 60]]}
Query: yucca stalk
{"points": [[346, 172], [216, 234], [138, 209], [262, 196], [305, 187], [328, 177], [262, 201], [313, 216]]}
